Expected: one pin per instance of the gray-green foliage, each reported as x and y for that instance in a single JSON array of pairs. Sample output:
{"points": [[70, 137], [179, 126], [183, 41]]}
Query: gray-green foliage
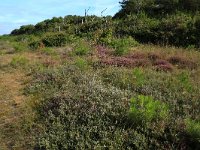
{"points": [[83, 109], [87, 114]]}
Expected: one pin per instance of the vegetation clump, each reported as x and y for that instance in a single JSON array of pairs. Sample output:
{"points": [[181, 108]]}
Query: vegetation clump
{"points": [[145, 109], [19, 61], [121, 82]]}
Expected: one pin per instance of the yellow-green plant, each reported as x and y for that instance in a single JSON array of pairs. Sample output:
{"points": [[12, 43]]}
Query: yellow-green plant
{"points": [[81, 63], [139, 76], [144, 109], [193, 128], [19, 61]]}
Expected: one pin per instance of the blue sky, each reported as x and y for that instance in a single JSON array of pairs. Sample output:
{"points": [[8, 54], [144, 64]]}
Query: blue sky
{"points": [[15, 13]]}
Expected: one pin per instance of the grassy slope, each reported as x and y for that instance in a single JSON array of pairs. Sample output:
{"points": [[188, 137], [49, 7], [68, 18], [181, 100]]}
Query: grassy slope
{"points": [[16, 68], [11, 86], [14, 105]]}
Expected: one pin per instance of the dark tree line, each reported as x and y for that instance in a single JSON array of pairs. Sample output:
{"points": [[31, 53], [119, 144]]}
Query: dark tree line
{"points": [[157, 8], [168, 22]]}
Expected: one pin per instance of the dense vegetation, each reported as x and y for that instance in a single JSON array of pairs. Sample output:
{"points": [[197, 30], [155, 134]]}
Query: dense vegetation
{"points": [[91, 82], [166, 22]]}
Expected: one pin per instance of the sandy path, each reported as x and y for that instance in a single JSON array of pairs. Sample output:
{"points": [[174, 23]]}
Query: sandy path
{"points": [[11, 101]]}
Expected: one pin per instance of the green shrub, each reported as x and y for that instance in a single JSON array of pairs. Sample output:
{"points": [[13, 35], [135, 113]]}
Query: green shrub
{"points": [[139, 26], [124, 78], [144, 109], [120, 78], [50, 40], [139, 76], [193, 128], [121, 51], [184, 80], [24, 38], [179, 29], [87, 109], [81, 63], [35, 45], [82, 48], [105, 37], [88, 114], [122, 45], [176, 30], [70, 38], [121, 42], [54, 40]]}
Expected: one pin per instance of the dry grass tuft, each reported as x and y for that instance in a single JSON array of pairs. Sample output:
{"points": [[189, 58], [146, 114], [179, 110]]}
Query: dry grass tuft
{"points": [[165, 68], [125, 62], [137, 55], [50, 63], [153, 56], [182, 62]]}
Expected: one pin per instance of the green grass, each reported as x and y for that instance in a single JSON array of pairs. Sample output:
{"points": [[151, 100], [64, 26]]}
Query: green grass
{"points": [[48, 51], [19, 61], [19, 47]]}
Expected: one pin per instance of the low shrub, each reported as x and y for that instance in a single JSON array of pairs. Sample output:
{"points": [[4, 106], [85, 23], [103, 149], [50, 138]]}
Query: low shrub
{"points": [[139, 76], [82, 48], [161, 62], [120, 78], [165, 68], [144, 109], [162, 65], [137, 55], [125, 62], [122, 46], [54, 40], [121, 51], [182, 62], [36, 45], [193, 128], [88, 114], [87, 109], [81, 63], [184, 79]]}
